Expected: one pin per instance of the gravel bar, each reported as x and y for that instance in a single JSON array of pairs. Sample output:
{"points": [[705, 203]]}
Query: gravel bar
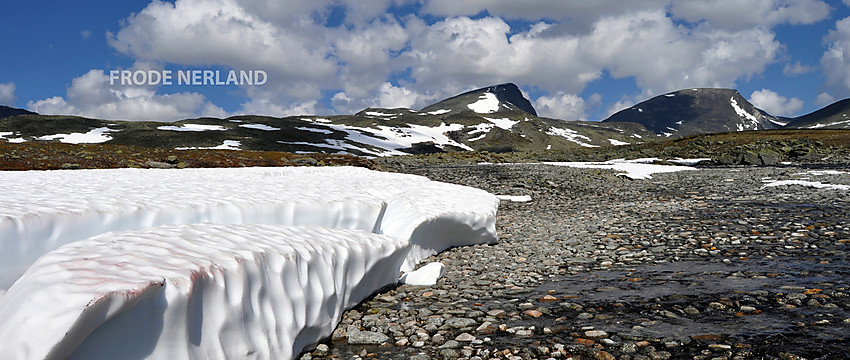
{"points": [[707, 264]]}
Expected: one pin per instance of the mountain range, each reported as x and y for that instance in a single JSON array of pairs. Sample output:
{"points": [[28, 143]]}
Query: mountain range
{"points": [[496, 118]]}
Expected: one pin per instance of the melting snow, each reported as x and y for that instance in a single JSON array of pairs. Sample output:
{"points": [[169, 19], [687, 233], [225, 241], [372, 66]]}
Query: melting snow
{"points": [[180, 253], [94, 136], [321, 131], [263, 127], [753, 123], [812, 184], [227, 145], [427, 275], [515, 198], [375, 113], [503, 123], [617, 142], [688, 162], [437, 112], [570, 135], [483, 128], [487, 104], [3, 135], [318, 120], [818, 126], [670, 95], [193, 127], [633, 169]]}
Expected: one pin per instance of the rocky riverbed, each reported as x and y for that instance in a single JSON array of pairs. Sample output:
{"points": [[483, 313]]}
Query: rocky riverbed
{"points": [[705, 264]]}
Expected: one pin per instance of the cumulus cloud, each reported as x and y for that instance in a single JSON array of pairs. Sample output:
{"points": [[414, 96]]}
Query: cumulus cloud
{"points": [[835, 59], [7, 93], [561, 106], [775, 104], [375, 58], [824, 99], [91, 95], [797, 69], [739, 14]]}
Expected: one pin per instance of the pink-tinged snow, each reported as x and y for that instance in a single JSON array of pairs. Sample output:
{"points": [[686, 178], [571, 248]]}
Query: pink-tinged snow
{"points": [[201, 291], [226, 145], [94, 136], [571, 135], [135, 279], [193, 127], [488, 103], [633, 169], [263, 127]]}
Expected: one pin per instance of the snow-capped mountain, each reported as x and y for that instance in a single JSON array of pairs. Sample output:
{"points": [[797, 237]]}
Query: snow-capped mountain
{"points": [[495, 118], [835, 116], [698, 111], [489, 100]]}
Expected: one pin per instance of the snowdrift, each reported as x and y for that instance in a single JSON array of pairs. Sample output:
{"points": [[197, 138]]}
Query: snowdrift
{"points": [[211, 263]]}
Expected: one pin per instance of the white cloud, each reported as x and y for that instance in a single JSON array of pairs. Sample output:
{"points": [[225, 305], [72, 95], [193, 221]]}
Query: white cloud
{"points": [[797, 69], [203, 32], [824, 98], [836, 59], [269, 107], [568, 45], [388, 96], [740, 14], [7, 94], [775, 104], [562, 106], [91, 95]]}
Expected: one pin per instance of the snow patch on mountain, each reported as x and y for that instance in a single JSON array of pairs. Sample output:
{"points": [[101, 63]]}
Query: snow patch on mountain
{"points": [[488, 103], [749, 121], [503, 123], [226, 145], [570, 135], [263, 127], [193, 127], [94, 136]]}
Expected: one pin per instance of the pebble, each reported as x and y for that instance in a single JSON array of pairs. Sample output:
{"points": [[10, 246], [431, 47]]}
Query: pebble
{"points": [[607, 231]]}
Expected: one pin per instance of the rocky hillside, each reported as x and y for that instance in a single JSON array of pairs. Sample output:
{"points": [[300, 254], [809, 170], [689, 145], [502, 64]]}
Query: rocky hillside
{"points": [[496, 118], [697, 111], [835, 116], [6, 111]]}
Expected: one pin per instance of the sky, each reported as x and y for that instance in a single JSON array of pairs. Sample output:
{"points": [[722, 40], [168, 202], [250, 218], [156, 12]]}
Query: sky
{"points": [[575, 60]]}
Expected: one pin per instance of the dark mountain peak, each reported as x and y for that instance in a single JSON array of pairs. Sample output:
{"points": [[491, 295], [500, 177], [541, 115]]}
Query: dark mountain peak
{"points": [[6, 111], [834, 116], [508, 96], [695, 111]]}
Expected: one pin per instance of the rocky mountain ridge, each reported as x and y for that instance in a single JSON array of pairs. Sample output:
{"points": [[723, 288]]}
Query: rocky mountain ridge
{"points": [[496, 118]]}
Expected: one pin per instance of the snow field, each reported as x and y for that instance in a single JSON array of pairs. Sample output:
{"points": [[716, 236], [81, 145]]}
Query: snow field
{"points": [[144, 272], [198, 291]]}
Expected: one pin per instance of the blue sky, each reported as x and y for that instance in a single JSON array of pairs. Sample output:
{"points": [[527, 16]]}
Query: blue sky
{"points": [[575, 60]]}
